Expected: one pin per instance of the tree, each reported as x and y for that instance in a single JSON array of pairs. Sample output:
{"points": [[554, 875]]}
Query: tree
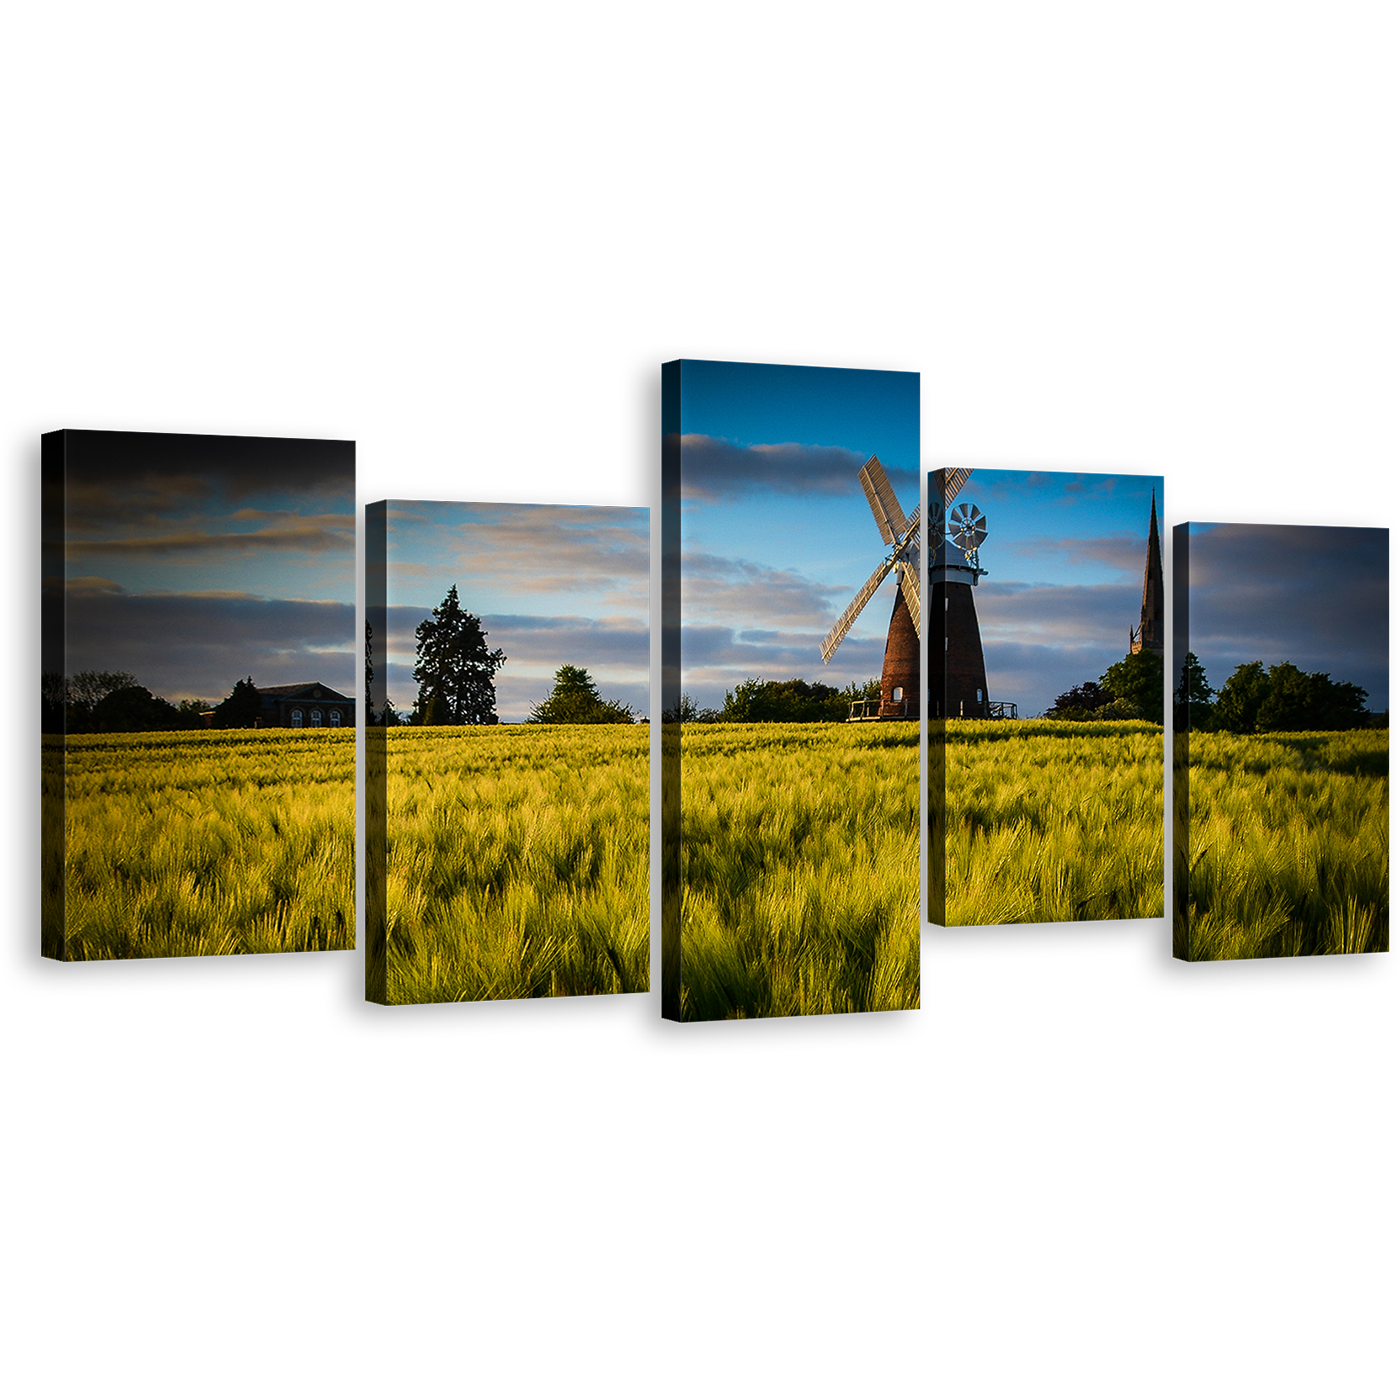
{"points": [[575, 700], [688, 712], [82, 693], [1137, 680], [756, 701], [1080, 702], [132, 709], [455, 671], [366, 662], [1193, 708], [240, 709], [1312, 701], [191, 713], [1242, 697]]}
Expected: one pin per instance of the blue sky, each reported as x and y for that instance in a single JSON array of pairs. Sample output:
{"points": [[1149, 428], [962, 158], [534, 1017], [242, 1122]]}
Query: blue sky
{"points": [[552, 585], [776, 537], [776, 534], [1315, 595], [1064, 557], [192, 561]]}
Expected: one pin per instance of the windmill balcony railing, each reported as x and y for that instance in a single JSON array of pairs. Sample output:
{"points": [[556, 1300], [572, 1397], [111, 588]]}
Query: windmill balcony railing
{"points": [[877, 709]]}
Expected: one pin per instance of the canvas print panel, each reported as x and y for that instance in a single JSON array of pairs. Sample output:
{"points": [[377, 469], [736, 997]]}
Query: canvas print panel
{"points": [[790, 684], [508, 787], [1281, 752], [198, 695], [1046, 696]]}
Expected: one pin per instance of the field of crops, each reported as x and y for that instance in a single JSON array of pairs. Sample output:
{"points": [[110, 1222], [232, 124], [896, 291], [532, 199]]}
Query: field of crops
{"points": [[184, 844], [1050, 820], [799, 869], [1287, 850], [518, 863]]}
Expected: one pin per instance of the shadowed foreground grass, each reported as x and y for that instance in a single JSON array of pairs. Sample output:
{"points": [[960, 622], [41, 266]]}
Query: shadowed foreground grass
{"points": [[800, 869]]}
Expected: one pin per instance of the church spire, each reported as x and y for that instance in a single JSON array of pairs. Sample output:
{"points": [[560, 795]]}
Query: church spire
{"points": [[1150, 633]]}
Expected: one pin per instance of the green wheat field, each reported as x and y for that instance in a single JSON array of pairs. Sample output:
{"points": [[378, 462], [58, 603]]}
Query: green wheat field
{"points": [[799, 869], [186, 844], [1287, 850], [1050, 821], [518, 863]]}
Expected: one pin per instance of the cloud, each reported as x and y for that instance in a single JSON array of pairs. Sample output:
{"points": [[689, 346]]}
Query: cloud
{"points": [[302, 539], [183, 645], [1068, 615], [738, 592], [529, 549], [715, 469], [1125, 552]]}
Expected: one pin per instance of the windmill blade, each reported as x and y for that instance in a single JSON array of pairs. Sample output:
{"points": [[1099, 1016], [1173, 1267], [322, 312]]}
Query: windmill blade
{"points": [[909, 586], [846, 621], [954, 479], [884, 504]]}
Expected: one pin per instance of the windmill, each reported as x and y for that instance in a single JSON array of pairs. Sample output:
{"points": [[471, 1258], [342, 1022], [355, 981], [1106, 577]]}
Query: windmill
{"points": [[957, 672], [899, 679]]}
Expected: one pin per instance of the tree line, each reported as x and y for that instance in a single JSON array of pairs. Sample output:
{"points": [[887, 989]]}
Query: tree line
{"points": [[1129, 689], [795, 701], [1259, 701], [112, 702], [456, 675]]}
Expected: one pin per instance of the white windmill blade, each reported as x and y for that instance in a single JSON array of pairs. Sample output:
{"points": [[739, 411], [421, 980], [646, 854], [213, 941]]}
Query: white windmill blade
{"points": [[884, 504], [909, 586], [846, 621]]}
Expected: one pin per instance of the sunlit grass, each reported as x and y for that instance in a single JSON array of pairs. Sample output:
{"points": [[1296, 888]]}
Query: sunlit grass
{"points": [[1288, 849], [518, 863], [799, 869], [1050, 821], [180, 845]]}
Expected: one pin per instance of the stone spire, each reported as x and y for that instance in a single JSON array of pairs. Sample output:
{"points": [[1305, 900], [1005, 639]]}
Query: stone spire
{"points": [[1151, 631]]}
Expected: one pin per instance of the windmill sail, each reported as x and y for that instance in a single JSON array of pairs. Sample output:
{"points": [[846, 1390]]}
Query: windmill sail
{"points": [[909, 586], [954, 479], [846, 621], [884, 504]]}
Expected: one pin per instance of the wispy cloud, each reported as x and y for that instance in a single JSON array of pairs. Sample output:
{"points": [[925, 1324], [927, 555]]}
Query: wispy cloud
{"points": [[301, 539], [717, 469]]}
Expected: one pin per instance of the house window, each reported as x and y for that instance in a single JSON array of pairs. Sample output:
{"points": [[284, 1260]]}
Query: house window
{"points": [[979, 697], [296, 719], [335, 719], [315, 719], [897, 694]]}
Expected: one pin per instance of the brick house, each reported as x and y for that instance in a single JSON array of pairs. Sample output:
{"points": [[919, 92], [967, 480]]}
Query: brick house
{"points": [[309, 705]]}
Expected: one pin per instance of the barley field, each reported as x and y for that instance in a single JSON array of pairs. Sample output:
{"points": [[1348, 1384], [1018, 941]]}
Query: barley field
{"points": [[516, 861], [1285, 848], [1049, 821], [211, 842], [799, 869]]}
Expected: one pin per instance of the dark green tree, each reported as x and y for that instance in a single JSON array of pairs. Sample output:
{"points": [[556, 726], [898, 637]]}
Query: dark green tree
{"points": [[240, 708], [455, 671], [81, 694], [1313, 700], [688, 712], [1137, 680], [1242, 697], [796, 701], [132, 709], [1080, 702], [575, 700], [191, 713], [1193, 709]]}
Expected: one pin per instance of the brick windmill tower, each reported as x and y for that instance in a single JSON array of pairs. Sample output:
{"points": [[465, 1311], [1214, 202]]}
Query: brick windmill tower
{"points": [[1151, 632], [957, 673], [899, 679]]}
